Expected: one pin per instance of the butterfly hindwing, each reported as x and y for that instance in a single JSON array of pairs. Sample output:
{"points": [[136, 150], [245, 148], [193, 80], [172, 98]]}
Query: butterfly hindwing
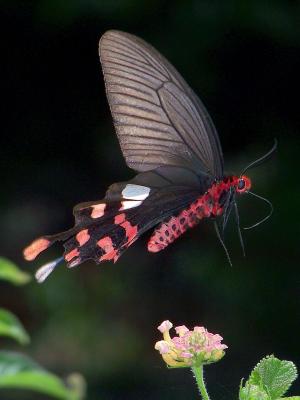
{"points": [[106, 238]]}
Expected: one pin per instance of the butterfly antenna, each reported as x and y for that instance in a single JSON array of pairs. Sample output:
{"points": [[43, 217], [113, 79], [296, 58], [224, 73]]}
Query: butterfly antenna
{"points": [[237, 219], [222, 242], [265, 218], [43, 272], [261, 159]]}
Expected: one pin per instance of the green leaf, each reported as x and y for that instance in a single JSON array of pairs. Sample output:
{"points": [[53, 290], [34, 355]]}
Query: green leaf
{"points": [[252, 392], [291, 398], [11, 327], [10, 272], [20, 372], [274, 375]]}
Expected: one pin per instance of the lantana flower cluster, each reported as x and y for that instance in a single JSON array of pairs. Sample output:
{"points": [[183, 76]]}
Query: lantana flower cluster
{"points": [[189, 348]]}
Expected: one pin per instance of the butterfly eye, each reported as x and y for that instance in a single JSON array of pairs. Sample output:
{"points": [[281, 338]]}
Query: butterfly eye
{"points": [[241, 184]]}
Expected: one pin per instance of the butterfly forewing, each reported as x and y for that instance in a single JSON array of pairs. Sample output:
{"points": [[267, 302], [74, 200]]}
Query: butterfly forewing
{"points": [[158, 118]]}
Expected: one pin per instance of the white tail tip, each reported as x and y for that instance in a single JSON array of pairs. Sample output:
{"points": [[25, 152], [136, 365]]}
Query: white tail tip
{"points": [[43, 272]]}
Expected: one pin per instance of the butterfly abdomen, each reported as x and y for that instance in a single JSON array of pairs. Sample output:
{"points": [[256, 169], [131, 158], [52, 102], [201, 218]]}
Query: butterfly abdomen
{"points": [[171, 230], [207, 205]]}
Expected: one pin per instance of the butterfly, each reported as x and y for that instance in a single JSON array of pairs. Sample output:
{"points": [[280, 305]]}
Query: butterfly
{"points": [[167, 137]]}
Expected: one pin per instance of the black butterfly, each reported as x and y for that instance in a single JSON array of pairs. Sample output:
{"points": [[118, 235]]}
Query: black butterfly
{"points": [[167, 136]]}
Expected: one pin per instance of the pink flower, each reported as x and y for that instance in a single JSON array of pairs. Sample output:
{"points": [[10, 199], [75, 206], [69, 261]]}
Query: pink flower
{"points": [[162, 346], [181, 330], [189, 348], [165, 326]]}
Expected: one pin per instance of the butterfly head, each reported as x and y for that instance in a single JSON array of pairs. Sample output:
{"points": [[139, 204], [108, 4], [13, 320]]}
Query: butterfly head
{"points": [[243, 184]]}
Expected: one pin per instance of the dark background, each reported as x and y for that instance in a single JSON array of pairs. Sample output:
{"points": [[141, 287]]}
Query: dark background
{"points": [[58, 148]]}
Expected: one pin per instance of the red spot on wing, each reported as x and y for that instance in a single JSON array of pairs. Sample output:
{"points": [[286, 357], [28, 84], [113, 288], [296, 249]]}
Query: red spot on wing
{"points": [[98, 210], [73, 253], [119, 218], [106, 245], [35, 248], [130, 230], [82, 237]]}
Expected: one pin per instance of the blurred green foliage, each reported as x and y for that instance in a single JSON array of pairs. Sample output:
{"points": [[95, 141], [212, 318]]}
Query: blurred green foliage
{"points": [[11, 273], [11, 327], [17, 371], [58, 148]]}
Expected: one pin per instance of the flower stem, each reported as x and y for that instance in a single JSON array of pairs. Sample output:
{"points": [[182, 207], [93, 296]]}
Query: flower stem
{"points": [[198, 374]]}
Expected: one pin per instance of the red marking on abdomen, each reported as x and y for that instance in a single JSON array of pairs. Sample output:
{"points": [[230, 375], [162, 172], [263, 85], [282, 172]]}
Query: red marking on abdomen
{"points": [[82, 237], [171, 230], [205, 206], [35, 248], [73, 253]]}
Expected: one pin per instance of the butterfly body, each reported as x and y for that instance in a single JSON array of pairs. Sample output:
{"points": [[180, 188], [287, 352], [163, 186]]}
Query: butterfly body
{"points": [[210, 204], [167, 136]]}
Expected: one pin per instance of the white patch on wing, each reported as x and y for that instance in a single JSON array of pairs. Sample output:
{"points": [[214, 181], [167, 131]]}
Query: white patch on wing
{"points": [[43, 272], [126, 204], [135, 192]]}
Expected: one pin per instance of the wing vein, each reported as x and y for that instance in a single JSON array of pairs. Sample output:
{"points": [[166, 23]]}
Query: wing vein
{"points": [[142, 69], [135, 97], [195, 142], [133, 80], [144, 118]]}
